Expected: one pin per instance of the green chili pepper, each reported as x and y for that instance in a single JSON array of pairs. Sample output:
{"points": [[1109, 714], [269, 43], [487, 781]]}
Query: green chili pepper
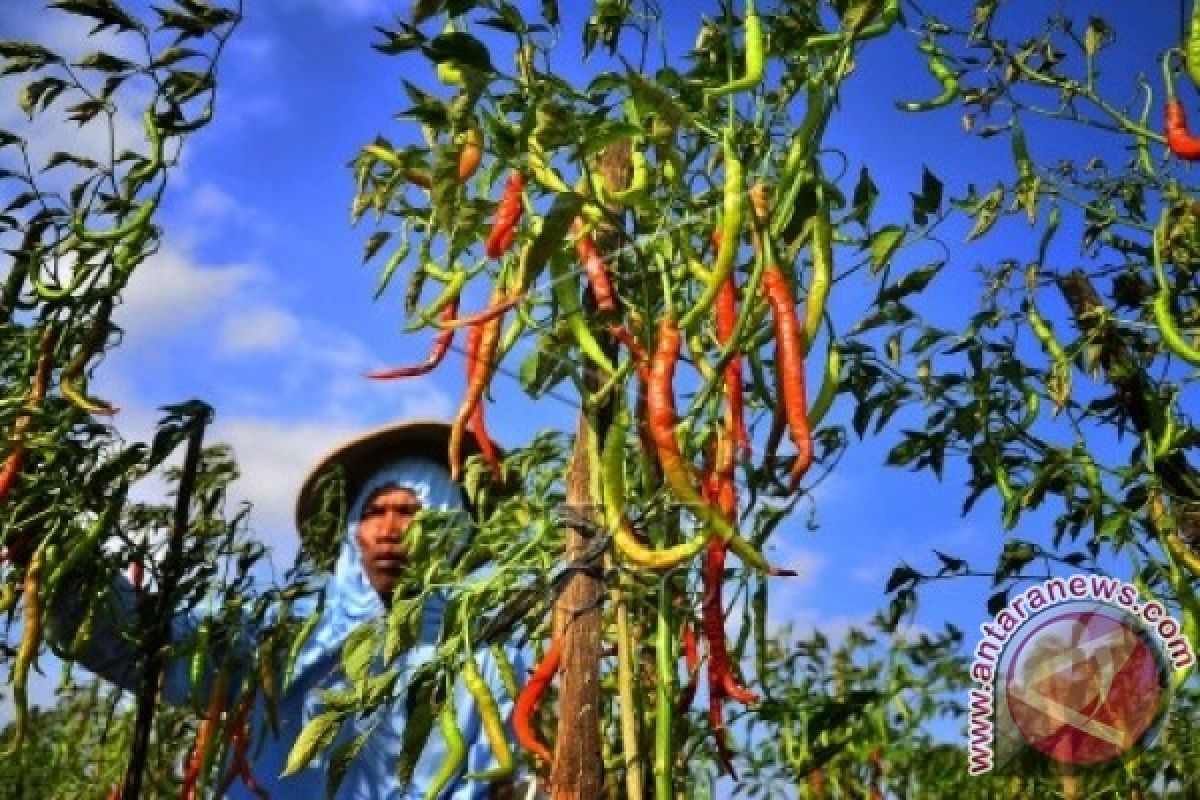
{"points": [[1171, 335], [508, 675], [199, 663], [664, 692], [90, 543], [731, 229], [822, 261], [493, 725], [456, 749], [945, 76], [566, 294], [755, 57], [1059, 383]]}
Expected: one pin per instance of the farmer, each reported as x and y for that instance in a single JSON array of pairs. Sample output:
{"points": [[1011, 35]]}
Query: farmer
{"points": [[391, 473]]}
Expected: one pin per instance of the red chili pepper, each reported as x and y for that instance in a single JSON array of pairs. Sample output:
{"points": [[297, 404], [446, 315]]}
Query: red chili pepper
{"points": [[41, 380], [721, 680], [137, 573], [735, 406], [691, 658], [478, 426], [498, 306], [441, 345], [531, 695], [789, 357], [482, 341], [1179, 139], [595, 268], [508, 214], [640, 361]]}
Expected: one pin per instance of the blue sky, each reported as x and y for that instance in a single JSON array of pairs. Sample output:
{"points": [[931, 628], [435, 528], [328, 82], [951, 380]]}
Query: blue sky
{"points": [[259, 305]]}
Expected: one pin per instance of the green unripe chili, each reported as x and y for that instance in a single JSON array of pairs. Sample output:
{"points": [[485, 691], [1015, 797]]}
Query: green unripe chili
{"points": [[731, 229], [943, 73], [1171, 335], [493, 725], [456, 749], [755, 57]]}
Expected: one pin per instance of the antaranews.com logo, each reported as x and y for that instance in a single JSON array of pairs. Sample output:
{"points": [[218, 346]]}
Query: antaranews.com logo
{"points": [[1079, 668]]}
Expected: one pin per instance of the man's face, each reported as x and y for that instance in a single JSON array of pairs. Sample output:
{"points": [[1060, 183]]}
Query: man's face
{"points": [[385, 518]]}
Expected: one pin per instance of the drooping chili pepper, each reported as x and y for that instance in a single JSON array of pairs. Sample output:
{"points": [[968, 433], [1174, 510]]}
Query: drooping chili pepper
{"points": [[205, 737], [493, 724], [471, 155], [829, 386], [734, 401], [1192, 54], [566, 297], [508, 215], [1180, 140], [482, 341], [531, 696], [943, 73], [199, 661], [660, 415], [691, 660], [731, 228], [789, 357], [1163, 317], [478, 426], [456, 749], [31, 638], [37, 392], [755, 57], [821, 250], [595, 268], [614, 494], [1059, 383], [441, 346], [721, 680], [73, 373]]}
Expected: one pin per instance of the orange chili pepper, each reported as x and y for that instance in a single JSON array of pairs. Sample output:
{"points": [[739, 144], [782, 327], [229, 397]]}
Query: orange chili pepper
{"points": [[508, 214], [595, 268], [789, 358], [531, 696], [441, 345]]}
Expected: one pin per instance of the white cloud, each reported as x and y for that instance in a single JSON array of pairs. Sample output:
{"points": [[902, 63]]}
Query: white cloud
{"points": [[259, 329], [170, 293], [211, 202]]}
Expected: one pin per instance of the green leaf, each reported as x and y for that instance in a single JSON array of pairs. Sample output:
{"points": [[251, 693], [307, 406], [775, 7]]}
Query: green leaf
{"points": [[60, 158], [40, 93], [317, 735], [997, 601], [357, 652], [950, 564], [374, 242], [107, 13], [987, 213], [341, 759], [462, 48], [929, 201], [104, 62], [421, 711], [911, 283], [903, 575], [1013, 559], [865, 195], [884, 245]]}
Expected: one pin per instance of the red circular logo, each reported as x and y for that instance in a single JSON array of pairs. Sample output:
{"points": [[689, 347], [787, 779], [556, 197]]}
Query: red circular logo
{"points": [[1084, 686]]}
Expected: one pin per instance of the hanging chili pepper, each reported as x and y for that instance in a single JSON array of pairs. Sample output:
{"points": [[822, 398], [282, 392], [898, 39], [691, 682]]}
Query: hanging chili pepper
{"points": [[508, 214], [755, 57], [73, 373], [493, 725], [456, 749], [691, 660], [944, 75], [614, 494], [487, 445], [1059, 383], [471, 155], [481, 343], [205, 741], [720, 669], [660, 413], [731, 228], [441, 345], [37, 392], [735, 404], [531, 696], [595, 268], [789, 357], [1180, 140], [31, 638]]}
